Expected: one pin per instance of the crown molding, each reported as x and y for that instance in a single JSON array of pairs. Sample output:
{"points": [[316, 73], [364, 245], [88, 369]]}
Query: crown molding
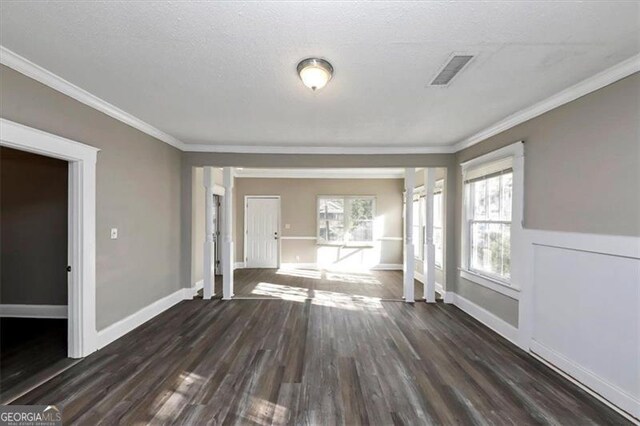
{"points": [[46, 77], [368, 150], [586, 86], [347, 173]]}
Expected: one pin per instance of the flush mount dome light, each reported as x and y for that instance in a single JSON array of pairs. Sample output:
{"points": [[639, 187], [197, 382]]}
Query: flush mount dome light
{"points": [[315, 73]]}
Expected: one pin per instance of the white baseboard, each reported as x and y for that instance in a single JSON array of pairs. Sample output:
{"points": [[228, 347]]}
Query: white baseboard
{"points": [[238, 265], [616, 398], [33, 311], [198, 285], [449, 297], [496, 324], [125, 325]]}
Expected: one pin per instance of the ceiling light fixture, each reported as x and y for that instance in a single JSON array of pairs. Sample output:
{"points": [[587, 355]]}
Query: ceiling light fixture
{"points": [[315, 73]]}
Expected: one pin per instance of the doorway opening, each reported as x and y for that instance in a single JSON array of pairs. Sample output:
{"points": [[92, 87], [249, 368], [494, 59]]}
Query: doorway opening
{"points": [[33, 267]]}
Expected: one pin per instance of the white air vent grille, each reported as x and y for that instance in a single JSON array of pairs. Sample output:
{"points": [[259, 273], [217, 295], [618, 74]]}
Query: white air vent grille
{"points": [[453, 67]]}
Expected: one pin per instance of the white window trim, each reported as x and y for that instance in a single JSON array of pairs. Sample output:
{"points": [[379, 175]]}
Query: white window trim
{"points": [[514, 151], [344, 243]]}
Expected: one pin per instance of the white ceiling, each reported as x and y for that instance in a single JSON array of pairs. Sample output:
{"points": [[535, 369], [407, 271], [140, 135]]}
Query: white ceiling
{"points": [[225, 73]]}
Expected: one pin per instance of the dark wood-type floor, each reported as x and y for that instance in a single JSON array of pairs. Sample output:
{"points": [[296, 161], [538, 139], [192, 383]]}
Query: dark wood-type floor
{"points": [[29, 347], [321, 361]]}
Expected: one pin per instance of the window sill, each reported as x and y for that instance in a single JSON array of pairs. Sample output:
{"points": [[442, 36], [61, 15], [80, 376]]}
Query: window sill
{"points": [[495, 285]]}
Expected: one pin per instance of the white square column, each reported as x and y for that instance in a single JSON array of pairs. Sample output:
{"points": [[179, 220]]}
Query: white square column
{"points": [[209, 247], [227, 246], [409, 260], [429, 263]]}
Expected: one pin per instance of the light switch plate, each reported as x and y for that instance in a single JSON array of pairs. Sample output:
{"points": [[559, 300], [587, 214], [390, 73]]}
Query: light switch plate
{"points": [[114, 233]]}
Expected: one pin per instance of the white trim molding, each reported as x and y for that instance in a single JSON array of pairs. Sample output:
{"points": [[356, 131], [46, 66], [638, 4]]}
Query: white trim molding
{"points": [[46, 77], [346, 150], [128, 324], [586, 86], [239, 265], [33, 311], [495, 285], [82, 225], [327, 173], [487, 318]]}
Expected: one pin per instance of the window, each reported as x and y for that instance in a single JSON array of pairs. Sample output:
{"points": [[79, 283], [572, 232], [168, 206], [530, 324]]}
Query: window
{"points": [[417, 227], [438, 223], [489, 224], [345, 219], [492, 217]]}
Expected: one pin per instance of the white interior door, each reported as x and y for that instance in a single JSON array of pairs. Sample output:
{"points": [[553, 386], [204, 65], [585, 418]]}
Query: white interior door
{"points": [[261, 232]]}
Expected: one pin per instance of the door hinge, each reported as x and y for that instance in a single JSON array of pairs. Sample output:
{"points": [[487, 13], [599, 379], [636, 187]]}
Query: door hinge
{"points": [[68, 268]]}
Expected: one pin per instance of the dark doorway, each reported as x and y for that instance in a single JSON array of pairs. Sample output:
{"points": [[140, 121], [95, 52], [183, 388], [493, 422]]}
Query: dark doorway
{"points": [[33, 261]]}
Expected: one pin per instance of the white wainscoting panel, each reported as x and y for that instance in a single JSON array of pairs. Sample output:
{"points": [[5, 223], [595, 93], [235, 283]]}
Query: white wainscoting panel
{"points": [[586, 312]]}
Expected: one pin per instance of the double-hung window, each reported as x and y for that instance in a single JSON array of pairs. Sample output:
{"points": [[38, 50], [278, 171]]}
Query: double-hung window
{"points": [[491, 215], [418, 226], [438, 223], [345, 219]]}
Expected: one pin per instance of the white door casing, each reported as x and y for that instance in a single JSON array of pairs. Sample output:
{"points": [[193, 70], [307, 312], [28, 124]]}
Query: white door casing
{"points": [[262, 231]]}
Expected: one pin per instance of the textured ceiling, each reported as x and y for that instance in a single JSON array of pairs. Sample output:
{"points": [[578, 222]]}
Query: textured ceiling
{"points": [[224, 73]]}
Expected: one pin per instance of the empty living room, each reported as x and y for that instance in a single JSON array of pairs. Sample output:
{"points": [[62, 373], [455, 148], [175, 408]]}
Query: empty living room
{"points": [[319, 213]]}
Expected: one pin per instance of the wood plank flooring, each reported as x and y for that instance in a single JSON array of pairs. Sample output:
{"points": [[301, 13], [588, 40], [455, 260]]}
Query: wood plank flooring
{"points": [[310, 283], [350, 359], [31, 350]]}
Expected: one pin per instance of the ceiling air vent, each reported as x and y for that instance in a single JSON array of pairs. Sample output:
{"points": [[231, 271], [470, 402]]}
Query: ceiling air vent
{"points": [[453, 67]]}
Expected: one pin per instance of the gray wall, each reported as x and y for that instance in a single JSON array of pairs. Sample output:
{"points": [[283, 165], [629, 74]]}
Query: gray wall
{"points": [[33, 229], [138, 191], [298, 204], [582, 173]]}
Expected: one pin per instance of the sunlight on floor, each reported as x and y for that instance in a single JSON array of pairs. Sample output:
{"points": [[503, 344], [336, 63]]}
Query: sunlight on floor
{"points": [[301, 273], [361, 276], [332, 299], [163, 408], [279, 291], [265, 412]]}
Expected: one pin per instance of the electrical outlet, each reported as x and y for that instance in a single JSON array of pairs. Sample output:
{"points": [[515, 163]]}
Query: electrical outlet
{"points": [[114, 233]]}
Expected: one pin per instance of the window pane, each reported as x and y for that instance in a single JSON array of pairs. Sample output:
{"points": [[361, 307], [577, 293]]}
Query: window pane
{"points": [[361, 231], [437, 210], [331, 230], [438, 243], [479, 190], [415, 232], [490, 249], [361, 209], [506, 251], [506, 190], [360, 219], [331, 209], [493, 194]]}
